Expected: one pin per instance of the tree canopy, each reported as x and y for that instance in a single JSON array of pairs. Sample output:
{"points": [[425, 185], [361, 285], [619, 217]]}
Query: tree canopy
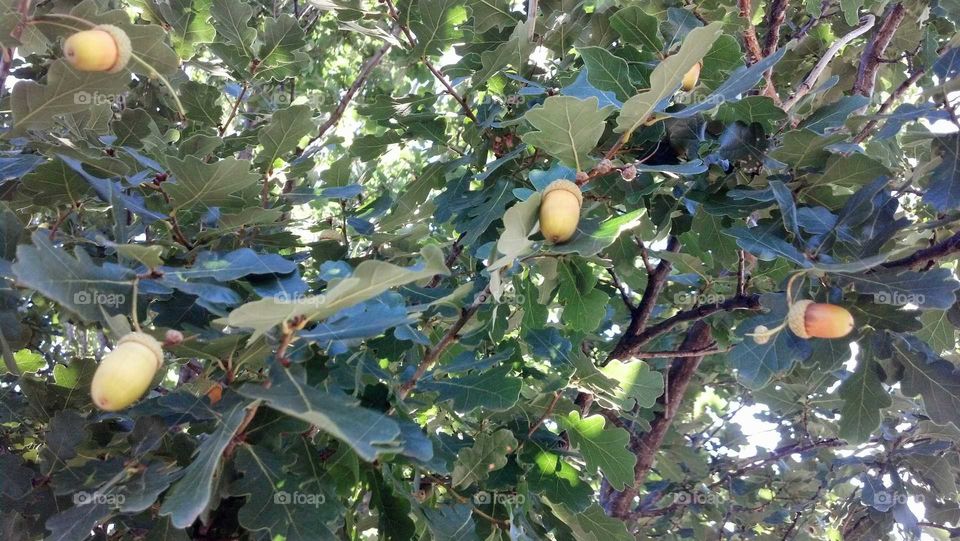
{"points": [[342, 221]]}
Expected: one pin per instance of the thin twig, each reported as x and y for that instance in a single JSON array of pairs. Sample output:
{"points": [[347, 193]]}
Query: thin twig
{"points": [[433, 354], [546, 414], [365, 71]]}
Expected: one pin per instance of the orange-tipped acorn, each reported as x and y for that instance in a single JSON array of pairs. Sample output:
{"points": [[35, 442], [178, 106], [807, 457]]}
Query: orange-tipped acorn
{"points": [[102, 48], [808, 319], [125, 373], [560, 211]]}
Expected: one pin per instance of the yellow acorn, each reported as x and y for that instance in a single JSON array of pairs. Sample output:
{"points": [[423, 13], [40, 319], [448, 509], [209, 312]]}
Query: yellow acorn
{"points": [[102, 48], [560, 211], [125, 373], [691, 77], [808, 319]]}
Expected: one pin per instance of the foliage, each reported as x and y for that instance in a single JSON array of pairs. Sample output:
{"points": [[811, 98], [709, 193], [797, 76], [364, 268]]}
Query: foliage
{"points": [[335, 204]]}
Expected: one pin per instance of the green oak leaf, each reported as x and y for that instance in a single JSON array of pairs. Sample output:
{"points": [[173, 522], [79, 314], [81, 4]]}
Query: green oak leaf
{"points": [[666, 77], [863, 398], [369, 433], [368, 280], [488, 453], [280, 136], [197, 183], [191, 495], [568, 128], [492, 390], [604, 449], [636, 27]]}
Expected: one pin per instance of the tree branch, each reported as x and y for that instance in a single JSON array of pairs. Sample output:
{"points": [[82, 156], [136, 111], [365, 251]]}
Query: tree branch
{"points": [[927, 255], [754, 53], [638, 322], [620, 504], [361, 79], [807, 85], [875, 50], [433, 354], [774, 20]]}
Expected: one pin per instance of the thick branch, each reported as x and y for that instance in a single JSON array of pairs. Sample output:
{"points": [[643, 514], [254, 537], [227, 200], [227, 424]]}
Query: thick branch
{"points": [[927, 255], [888, 104], [774, 20], [638, 322], [876, 49], [646, 446], [754, 53]]}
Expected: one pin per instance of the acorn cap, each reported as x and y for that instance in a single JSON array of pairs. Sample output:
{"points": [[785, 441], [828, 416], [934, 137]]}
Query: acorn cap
{"points": [[565, 185], [796, 318], [146, 341], [124, 49]]}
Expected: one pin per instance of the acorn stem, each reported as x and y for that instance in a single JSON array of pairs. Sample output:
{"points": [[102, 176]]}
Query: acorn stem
{"points": [[133, 306], [70, 17], [155, 73]]}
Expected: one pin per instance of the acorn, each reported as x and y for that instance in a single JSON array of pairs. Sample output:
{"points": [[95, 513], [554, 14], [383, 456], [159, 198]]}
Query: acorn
{"points": [[125, 373], [691, 77], [808, 319], [102, 48], [560, 211]]}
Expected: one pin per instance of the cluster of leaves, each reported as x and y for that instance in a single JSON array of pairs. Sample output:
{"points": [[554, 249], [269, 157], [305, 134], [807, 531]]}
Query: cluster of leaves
{"points": [[335, 202]]}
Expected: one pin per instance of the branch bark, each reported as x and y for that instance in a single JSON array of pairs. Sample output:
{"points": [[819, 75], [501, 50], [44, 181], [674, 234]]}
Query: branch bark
{"points": [[927, 255], [645, 446], [876, 49], [754, 52], [774, 20]]}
